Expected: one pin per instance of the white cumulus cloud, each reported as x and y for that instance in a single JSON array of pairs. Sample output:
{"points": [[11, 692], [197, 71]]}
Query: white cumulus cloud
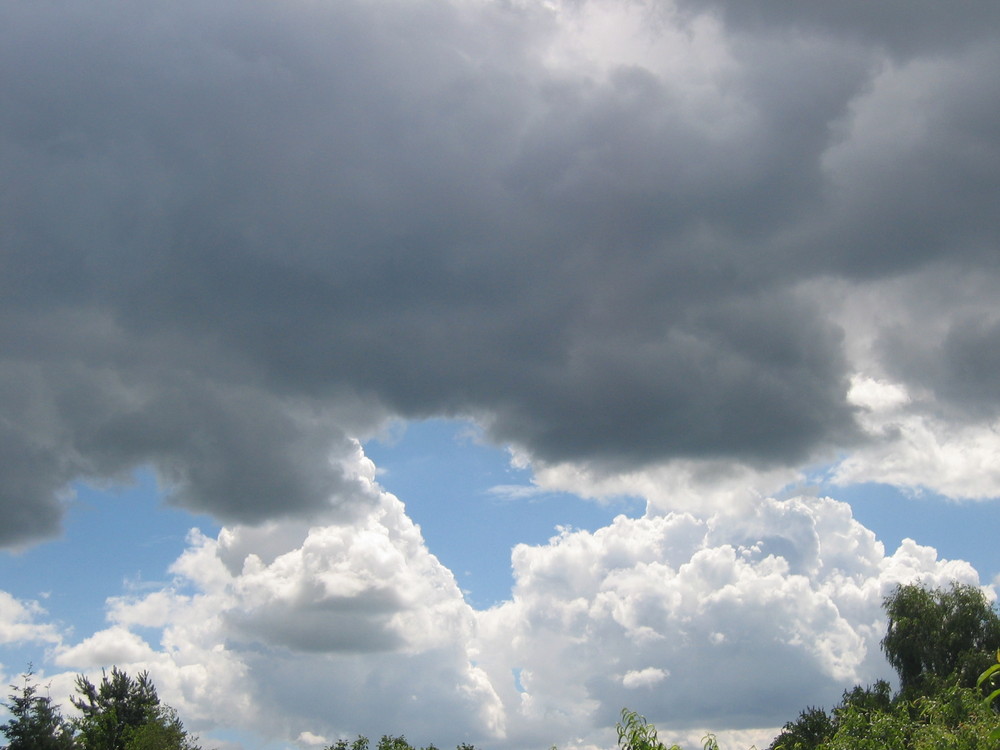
{"points": [[644, 678], [740, 618], [22, 621], [309, 631]]}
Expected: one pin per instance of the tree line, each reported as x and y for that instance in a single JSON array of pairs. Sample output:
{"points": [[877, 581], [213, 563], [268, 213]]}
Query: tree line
{"points": [[944, 645], [120, 713]]}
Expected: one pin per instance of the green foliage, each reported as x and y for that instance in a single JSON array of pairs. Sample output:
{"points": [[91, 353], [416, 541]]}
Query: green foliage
{"points": [[635, 733], [954, 717], [387, 742], [867, 718], [35, 724], [121, 713], [361, 743], [936, 641], [110, 711], [876, 697], [987, 681], [933, 634], [813, 727], [859, 728], [125, 713], [162, 731]]}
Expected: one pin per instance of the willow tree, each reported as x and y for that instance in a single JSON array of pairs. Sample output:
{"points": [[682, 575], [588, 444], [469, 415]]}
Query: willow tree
{"points": [[935, 634]]}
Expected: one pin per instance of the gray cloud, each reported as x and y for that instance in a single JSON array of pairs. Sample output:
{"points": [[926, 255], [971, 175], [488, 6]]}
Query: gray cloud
{"points": [[905, 29], [236, 452], [234, 234], [340, 625], [958, 364]]}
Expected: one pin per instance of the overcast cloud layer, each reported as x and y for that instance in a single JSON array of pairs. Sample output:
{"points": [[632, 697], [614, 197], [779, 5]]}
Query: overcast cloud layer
{"points": [[235, 231], [685, 250]]}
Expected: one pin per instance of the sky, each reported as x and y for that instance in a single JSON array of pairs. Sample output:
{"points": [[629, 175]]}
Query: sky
{"points": [[471, 369]]}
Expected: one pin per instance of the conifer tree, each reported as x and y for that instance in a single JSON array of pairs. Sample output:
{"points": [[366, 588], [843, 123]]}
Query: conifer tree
{"points": [[125, 713], [35, 723]]}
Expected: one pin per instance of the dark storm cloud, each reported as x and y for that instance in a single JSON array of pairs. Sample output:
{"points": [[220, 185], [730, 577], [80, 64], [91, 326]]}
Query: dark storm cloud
{"points": [[219, 445], [958, 363], [221, 222]]}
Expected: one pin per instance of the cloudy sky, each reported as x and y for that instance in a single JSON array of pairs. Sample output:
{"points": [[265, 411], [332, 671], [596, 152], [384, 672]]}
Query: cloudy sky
{"points": [[471, 369]]}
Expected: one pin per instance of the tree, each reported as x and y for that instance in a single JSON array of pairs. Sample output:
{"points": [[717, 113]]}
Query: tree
{"points": [[859, 728], [388, 742], [361, 743], [107, 711], [125, 713], [164, 731], [877, 697], [813, 727], [938, 641], [937, 633], [35, 723], [635, 733], [987, 682]]}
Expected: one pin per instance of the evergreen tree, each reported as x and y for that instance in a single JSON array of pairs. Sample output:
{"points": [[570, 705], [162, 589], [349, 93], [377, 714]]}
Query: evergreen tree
{"points": [[108, 710], [35, 724], [125, 713]]}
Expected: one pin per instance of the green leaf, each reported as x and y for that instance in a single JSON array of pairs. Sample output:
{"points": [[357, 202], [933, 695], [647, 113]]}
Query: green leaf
{"points": [[987, 674]]}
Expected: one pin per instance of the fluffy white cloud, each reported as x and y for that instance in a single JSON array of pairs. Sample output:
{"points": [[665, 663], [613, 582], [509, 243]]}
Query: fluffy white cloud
{"points": [[644, 678], [923, 386], [19, 622], [739, 619], [298, 631], [914, 445], [730, 620], [115, 645]]}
